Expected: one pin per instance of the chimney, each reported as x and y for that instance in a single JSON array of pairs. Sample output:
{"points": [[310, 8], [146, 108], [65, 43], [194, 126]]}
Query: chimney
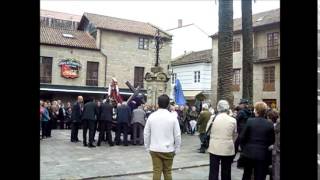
{"points": [[179, 23]]}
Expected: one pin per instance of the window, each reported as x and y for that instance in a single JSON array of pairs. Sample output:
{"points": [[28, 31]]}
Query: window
{"points": [[273, 44], [138, 76], [268, 80], [196, 76], [236, 44], [173, 78], [45, 69], [68, 35], [236, 80], [143, 43], [92, 73]]}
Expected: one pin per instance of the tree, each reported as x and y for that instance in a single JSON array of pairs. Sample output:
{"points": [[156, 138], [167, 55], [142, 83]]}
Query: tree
{"points": [[247, 53], [225, 57]]}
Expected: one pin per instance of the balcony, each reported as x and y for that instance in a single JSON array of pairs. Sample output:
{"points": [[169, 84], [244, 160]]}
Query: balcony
{"points": [[266, 53], [45, 79], [92, 82]]}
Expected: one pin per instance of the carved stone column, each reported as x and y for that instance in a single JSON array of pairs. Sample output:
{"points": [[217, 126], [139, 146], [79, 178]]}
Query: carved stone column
{"points": [[156, 83]]}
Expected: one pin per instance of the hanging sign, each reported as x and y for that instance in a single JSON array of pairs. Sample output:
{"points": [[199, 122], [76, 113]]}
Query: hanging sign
{"points": [[70, 68]]}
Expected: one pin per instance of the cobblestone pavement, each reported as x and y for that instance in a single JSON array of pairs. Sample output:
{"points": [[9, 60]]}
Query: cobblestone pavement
{"points": [[61, 159]]}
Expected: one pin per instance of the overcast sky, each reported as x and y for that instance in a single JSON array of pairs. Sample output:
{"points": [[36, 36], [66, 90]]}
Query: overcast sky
{"points": [[164, 14]]}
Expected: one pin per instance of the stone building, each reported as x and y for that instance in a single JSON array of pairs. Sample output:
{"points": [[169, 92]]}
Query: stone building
{"points": [[266, 59], [59, 20], [83, 61]]}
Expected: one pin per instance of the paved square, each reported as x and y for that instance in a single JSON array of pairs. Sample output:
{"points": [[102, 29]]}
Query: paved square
{"points": [[61, 159]]}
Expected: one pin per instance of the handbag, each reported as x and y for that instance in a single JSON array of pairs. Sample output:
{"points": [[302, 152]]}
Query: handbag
{"points": [[206, 138]]}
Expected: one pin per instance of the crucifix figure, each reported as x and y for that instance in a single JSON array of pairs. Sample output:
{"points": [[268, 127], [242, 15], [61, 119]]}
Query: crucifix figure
{"points": [[158, 42], [137, 98]]}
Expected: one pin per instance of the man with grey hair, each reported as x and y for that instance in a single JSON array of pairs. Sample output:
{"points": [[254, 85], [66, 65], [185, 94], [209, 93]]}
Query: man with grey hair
{"points": [[138, 122], [202, 123], [222, 137]]}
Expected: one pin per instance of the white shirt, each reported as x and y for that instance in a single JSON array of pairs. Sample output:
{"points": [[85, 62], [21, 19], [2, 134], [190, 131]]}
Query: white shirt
{"points": [[175, 114], [162, 132]]}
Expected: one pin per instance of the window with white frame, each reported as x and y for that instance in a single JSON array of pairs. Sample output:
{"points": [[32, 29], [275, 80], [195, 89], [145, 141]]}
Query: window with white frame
{"points": [[196, 76]]}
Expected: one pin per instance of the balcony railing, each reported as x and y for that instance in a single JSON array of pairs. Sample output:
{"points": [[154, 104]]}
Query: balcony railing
{"points": [[45, 79], [266, 53], [92, 82]]}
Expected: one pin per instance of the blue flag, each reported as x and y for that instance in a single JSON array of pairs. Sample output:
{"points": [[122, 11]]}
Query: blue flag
{"points": [[178, 94]]}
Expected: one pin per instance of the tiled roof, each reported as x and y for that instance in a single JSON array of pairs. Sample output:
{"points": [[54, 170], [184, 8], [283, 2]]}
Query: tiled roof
{"points": [[60, 15], [55, 36], [204, 56], [259, 19], [124, 25]]}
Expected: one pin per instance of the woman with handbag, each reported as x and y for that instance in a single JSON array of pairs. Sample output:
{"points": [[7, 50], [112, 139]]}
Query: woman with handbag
{"points": [[255, 139], [221, 145]]}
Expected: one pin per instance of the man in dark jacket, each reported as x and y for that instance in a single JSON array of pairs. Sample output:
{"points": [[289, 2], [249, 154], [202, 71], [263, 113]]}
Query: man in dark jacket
{"points": [[61, 116], [105, 122], [96, 126], [255, 139], [242, 118], [76, 118], [123, 121], [90, 111]]}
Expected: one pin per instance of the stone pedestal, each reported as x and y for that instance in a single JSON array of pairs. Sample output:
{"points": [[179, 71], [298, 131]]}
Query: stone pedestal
{"points": [[156, 84]]}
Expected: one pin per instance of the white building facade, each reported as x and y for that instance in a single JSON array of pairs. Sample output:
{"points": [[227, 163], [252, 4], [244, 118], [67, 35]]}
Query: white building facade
{"points": [[194, 72], [188, 38]]}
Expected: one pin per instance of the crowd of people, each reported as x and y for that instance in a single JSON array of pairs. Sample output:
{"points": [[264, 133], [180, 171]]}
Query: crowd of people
{"points": [[54, 115], [251, 131]]}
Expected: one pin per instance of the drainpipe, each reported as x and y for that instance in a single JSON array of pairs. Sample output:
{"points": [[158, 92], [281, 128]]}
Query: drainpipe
{"points": [[106, 58], [105, 70]]}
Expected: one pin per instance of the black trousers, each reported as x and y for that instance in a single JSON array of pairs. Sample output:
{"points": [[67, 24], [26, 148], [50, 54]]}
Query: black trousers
{"points": [[226, 162], [201, 136], [187, 126], [88, 124], [44, 128], [61, 124], [54, 123], [105, 127], [49, 128], [122, 127], [137, 133], [236, 145], [74, 131], [260, 169], [95, 128]]}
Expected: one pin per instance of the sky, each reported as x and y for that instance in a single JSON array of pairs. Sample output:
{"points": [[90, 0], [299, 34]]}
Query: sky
{"points": [[164, 14]]}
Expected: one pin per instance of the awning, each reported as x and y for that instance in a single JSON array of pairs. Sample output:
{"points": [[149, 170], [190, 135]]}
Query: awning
{"points": [[78, 91], [191, 95], [82, 89]]}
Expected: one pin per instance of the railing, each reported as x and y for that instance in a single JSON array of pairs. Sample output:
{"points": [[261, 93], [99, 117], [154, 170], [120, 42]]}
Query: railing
{"points": [[267, 52], [92, 82]]}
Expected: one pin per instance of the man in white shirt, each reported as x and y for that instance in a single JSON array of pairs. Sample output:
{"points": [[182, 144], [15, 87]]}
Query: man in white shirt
{"points": [[162, 139]]}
